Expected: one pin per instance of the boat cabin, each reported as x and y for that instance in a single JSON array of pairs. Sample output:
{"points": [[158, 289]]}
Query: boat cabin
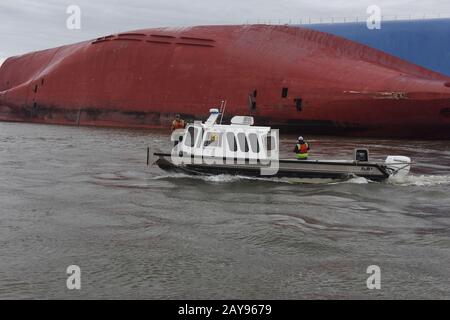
{"points": [[238, 140]]}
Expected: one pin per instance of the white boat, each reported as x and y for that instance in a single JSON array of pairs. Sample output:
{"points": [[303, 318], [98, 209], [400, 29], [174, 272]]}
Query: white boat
{"points": [[240, 148]]}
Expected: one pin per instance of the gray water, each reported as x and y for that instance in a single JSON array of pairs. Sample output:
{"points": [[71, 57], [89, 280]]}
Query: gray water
{"points": [[84, 196]]}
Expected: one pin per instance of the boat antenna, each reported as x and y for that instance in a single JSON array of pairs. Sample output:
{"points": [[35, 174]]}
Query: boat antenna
{"points": [[224, 104]]}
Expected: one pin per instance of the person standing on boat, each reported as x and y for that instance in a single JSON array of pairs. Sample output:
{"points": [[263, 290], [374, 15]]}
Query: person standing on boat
{"points": [[178, 123], [301, 149]]}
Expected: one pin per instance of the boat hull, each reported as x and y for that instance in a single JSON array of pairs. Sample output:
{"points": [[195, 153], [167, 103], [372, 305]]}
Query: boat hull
{"points": [[291, 78], [302, 169]]}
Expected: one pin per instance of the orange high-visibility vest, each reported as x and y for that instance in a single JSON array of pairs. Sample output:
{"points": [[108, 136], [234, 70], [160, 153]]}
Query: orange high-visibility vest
{"points": [[302, 148], [177, 124]]}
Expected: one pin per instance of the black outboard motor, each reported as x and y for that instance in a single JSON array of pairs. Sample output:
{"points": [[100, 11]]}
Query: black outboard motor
{"points": [[362, 155]]}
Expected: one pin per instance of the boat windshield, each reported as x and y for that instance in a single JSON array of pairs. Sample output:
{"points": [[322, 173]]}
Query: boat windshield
{"points": [[191, 136]]}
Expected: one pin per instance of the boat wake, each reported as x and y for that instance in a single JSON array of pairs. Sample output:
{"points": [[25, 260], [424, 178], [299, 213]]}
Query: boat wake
{"points": [[420, 180], [410, 180], [358, 180], [224, 178], [221, 178]]}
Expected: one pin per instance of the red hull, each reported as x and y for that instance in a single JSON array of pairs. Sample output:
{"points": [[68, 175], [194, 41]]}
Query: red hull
{"points": [[142, 78]]}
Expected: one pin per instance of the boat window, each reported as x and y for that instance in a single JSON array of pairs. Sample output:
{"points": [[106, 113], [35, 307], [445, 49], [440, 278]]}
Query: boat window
{"points": [[243, 143], [190, 137], [231, 141], [200, 139], [270, 143], [254, 144], [213, 139], [284, 92]]}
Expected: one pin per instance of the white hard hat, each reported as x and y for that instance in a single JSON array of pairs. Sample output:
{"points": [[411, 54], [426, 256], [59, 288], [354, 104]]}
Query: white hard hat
{"points": [[300, 138]]}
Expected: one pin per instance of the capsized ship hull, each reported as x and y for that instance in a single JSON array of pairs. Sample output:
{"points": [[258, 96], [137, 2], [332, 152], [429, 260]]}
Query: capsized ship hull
{"points": [[286, 77]]}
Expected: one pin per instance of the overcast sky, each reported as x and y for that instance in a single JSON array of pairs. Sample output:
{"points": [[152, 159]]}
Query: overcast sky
{"points": [[27, 25]]}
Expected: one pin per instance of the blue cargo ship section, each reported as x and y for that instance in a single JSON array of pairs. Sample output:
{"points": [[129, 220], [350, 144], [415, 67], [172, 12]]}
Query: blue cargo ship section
{"points": [[423, 42]]}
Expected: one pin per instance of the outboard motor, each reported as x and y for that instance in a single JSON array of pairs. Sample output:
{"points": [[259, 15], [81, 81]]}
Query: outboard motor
{"points": [[398, 165]]}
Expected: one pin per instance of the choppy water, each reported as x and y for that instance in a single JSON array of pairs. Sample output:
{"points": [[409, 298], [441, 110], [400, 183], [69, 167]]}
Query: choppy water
{"points": [[84, 196]]}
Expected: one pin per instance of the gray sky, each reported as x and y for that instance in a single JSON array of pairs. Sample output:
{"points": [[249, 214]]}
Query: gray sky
{"points": [[28, 25]]}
